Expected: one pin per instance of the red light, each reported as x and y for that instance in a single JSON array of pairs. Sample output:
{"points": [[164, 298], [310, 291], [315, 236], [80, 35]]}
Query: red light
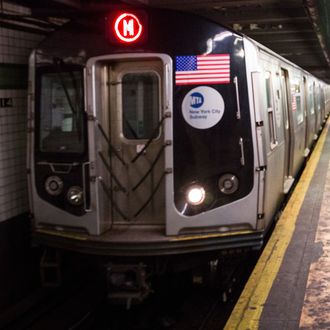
{"points": [[128, 27]]}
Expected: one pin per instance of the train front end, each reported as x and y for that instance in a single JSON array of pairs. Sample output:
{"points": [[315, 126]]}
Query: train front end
{"points": [[141, 138]]}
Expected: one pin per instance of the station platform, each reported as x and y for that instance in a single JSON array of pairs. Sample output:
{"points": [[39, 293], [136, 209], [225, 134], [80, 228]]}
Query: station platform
{"points": [[290, 285]]}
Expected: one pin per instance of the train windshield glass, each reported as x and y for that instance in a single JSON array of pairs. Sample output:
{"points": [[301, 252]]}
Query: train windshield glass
{"points": [[61, 104], [140, 101]]}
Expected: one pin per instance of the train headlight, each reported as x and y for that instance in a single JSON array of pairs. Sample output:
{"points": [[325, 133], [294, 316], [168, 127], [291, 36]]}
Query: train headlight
{"points": [[228, 184], [195, 195], [75, 196], [54, 185]]}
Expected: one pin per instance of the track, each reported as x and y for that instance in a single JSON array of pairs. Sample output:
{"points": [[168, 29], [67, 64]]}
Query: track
{"points": [[201, 300]]}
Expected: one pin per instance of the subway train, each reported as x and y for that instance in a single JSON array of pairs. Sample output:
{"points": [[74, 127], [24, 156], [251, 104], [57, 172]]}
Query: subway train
{"points": [[158, 139]]}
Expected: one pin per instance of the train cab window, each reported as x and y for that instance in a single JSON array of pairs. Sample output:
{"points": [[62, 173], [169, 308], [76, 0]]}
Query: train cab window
{"points": [[61, 119], [140, 105], [270, 110]]}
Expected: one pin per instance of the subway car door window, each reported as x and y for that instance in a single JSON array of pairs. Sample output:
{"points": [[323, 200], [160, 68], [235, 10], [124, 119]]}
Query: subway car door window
{"points": [[140, 110], [270, 110]]}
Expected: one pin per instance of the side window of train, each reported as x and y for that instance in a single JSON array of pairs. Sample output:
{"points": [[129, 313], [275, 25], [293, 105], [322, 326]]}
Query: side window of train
{"points": [[140, 105], [297, 105], [317, 98], [311, 99], [322, 98], [270, 110]]}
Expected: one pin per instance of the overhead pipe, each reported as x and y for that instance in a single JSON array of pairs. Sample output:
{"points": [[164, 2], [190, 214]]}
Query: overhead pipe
{"points": [[319, 25]]}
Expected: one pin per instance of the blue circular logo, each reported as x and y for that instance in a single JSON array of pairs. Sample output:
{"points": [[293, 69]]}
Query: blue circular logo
{"points": [[196, 100]]}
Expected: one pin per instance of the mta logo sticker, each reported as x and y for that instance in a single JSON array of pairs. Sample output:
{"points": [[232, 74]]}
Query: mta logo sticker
{"points": [[196, 100], [203, 107]]}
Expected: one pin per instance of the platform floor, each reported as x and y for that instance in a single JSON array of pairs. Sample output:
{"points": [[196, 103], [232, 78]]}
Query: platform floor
{"points": [[290, 285]]}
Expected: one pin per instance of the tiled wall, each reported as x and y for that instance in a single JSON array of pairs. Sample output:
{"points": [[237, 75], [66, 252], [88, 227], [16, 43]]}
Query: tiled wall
{"points": [[15, 48], [18, 260], [13, 191], [16, 45]]}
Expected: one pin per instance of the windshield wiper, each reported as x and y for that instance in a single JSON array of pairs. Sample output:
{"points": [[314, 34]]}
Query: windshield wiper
{"points": [[58, 62], [75, 112]]}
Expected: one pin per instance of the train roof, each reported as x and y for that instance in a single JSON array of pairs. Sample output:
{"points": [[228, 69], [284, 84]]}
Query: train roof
{"points": [[169, 31]]}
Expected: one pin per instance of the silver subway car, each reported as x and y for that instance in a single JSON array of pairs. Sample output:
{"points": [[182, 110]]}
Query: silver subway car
{"points": [[157, 133]]}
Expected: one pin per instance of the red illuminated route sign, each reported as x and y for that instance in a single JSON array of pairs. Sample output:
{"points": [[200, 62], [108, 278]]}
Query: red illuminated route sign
{"points": [[128, 27]]}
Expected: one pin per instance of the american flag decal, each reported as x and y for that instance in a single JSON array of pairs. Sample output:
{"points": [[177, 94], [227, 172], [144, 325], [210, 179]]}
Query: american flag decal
{"points": [[202, 69]]}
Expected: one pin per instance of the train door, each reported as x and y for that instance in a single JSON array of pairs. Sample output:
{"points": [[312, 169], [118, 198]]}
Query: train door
{"points": [[136, 181], [128, 100], [306, 116], [285, 91], [322, 102]]}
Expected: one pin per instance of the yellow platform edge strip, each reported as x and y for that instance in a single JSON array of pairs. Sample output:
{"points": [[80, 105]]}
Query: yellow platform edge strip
{"points": [[247, 312]]}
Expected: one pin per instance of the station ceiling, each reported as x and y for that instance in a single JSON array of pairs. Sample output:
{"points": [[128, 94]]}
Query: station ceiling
{"points": [[299, 30]]}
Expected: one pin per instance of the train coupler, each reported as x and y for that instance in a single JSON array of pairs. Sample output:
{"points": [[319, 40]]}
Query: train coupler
{"points": [[127, 283]]}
